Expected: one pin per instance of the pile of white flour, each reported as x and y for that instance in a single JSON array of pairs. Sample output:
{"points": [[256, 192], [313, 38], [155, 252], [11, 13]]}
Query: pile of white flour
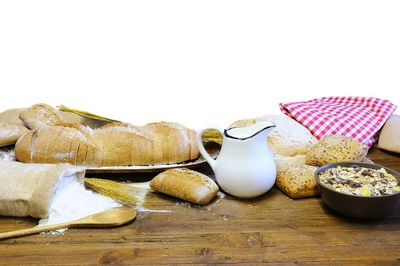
{"points": [[72, 201]]}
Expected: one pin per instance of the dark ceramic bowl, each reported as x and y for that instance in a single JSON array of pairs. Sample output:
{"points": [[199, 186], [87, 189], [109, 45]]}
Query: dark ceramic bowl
{"points": [[361, 207]]}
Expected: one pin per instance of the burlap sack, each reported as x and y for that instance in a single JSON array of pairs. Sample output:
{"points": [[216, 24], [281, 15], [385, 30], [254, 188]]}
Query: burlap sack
{"points": [[27, 189]]}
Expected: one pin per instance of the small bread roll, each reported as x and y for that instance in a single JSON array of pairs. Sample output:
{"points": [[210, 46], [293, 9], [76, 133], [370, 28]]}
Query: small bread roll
{"points": [[297, 181], [10, 133], [336, 148], [185, 184]]}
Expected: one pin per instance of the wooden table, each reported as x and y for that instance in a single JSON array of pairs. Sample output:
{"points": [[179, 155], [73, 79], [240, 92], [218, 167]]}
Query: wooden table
{"points": [[271, 229]]}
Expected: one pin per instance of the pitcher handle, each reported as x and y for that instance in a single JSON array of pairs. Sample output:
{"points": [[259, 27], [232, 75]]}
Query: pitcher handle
{"points": [[202, 150]]}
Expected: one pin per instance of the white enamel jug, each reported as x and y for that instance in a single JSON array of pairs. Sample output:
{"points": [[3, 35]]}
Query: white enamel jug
{"points": [[245, 166]]}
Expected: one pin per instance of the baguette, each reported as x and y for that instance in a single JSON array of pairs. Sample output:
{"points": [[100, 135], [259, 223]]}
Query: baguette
{"points": [[185, 184], [115, 144]]}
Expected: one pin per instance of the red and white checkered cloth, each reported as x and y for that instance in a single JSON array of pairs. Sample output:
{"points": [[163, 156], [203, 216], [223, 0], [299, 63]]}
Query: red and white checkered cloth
{"points": [[359, 118]]}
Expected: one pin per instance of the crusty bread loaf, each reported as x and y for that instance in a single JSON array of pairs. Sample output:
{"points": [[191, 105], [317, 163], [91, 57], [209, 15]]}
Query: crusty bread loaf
{"points": [[297, 181], [389, 138], [64, 143], [43, 114], [115, 144], [40, 115], [185, 184], [12, 116], [10, 133], [336, 148]]}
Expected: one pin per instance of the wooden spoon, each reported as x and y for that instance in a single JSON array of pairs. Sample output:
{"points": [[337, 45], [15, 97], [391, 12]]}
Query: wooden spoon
{"points": [[109, 218]]}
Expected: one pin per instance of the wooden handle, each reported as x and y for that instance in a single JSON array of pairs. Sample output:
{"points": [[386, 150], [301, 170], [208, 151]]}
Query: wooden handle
{"points": [[33, 230]]}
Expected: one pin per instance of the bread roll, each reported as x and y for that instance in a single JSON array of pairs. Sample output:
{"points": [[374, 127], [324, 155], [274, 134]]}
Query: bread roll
{"points": [[389, 138], [10, 133], [185, 184], [114, 144], [297, 181], [336, 148]]}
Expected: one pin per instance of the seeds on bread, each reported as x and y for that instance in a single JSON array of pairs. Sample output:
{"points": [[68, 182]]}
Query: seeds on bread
{"points": [[336, 148], [297, 181]]}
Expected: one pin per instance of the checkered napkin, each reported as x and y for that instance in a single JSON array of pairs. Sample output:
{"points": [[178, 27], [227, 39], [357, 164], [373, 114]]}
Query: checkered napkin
{"points": [[359, 118]]}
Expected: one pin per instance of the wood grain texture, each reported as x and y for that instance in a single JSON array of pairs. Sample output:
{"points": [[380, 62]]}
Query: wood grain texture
{"points": [[270, 229]]}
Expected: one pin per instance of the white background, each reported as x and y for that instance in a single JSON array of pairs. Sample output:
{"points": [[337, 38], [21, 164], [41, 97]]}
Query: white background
{"points": [[195, 62]]}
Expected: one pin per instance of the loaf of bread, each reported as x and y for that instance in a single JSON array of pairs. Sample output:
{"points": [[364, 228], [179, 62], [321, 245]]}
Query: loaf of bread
{"points": [[43, 114], [12, 116], [40, 115], [336, 148], [115, 144], [297, 181], [185, 184], [389, 138], [10, 133]]}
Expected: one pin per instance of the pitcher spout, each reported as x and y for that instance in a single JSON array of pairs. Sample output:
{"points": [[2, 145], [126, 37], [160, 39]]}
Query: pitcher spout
{"points": [[260, 128]]}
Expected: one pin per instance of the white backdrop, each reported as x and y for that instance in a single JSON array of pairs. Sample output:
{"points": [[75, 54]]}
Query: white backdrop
{"points": [[195, 62]]}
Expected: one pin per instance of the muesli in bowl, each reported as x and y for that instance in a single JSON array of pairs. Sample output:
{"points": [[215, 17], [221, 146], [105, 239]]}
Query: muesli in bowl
{"points": [[360, 181], [359, 190]]}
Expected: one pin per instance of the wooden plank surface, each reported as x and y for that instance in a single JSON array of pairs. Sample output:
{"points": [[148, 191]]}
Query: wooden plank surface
{"points": [[270, 229]]}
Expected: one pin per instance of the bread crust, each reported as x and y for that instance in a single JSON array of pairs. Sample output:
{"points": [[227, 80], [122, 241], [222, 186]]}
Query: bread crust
{"points": [[185, 184]]}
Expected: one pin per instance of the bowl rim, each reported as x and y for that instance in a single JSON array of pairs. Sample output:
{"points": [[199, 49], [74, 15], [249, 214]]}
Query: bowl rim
{"points": [[348, 164]]}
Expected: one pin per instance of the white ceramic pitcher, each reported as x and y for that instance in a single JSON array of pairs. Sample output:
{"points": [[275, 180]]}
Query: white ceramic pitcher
{"points": [[245, 166]]}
